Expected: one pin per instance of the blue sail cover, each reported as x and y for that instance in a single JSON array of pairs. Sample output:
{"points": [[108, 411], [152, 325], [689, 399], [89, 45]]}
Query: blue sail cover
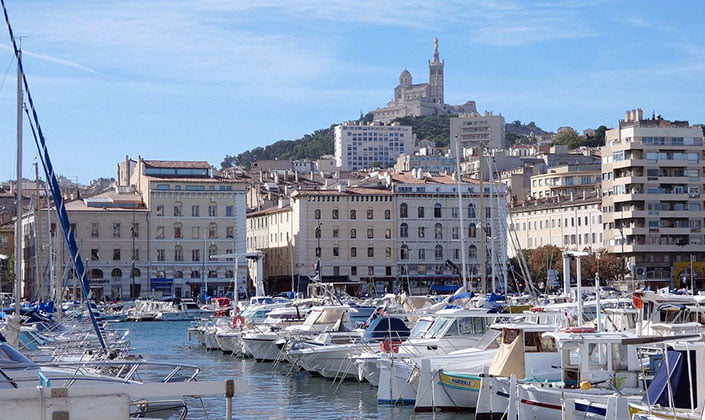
{"points": [[679, 374], [387, 328]]}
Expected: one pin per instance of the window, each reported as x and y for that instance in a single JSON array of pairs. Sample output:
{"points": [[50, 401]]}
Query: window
{"points": [[212, 250], [194, 211], [388, 252], [159, 233], [135, 230], [117, 230], [177, 209], [317, 214], [317, 233], [472, 251], [212, 210], [404, 230], [195, 255], [439, 252], [472, 231], [336, 252], [387, 234], [116, 254], [353, 271], [370, 213], [370, 233], [336, 270], [195, 232], [228, 211], [160, 210], [454, 232], [421, 231], [438, 231], [471, 211], [422, 254], [178, 253], [387, 214], [420, 212], [212, 231], [212, 274], [353, 252], [335, 232], [136, 254], [370, 251], [353, 214], [370, 271], [95, 230], [353, 233], [318, 251], [453, 213], [177, 231], [161, 255], [195, 274], [437, 210], [404, 252], [403, 210], [229, 232], [335, 214]]}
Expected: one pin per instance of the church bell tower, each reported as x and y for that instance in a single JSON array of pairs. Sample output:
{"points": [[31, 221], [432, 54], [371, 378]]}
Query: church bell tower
{"points": [[435, 77]]}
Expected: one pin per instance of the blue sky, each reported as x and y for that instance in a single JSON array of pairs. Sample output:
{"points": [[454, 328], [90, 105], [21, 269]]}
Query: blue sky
{"points": [[196, 80]]}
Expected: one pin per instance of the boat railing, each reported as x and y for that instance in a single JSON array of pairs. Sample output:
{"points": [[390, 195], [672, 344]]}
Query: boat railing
{"points": [[129, 370]]}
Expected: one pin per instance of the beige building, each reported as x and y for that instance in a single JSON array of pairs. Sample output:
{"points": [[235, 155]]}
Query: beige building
{"points": [[568, 223], [271, 232], [652, 185], [566, 180]]}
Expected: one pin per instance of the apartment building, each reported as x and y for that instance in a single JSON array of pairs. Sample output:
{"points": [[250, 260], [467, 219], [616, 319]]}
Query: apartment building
{"points": [[271, 232], [652, 185], [571, 223], [473, 129], [193, 215], [350, 230], [431, 237], [362, 146], [566, 180]]}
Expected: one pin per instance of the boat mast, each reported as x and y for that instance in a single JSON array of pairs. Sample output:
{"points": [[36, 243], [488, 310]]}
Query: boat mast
{"points": [[18, 190], [38, 237], [460, 214], [483, 232]]}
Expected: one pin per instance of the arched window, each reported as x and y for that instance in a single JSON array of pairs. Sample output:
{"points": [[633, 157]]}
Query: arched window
{"points": [[439, 252], [95, 274], [116, 273], [212, 231], [438, 231], [471, 211], [136, 272], [472, 251], [437, 210], [404, 252], [403, 210], [472, 231], [404, 230]]}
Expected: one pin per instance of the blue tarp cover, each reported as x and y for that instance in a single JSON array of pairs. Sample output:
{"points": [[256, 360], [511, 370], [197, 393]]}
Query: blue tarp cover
{"points": [[445, 288], [675, 370]]}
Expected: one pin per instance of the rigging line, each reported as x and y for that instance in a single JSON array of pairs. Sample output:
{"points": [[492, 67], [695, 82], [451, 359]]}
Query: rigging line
{"points": [[9, 66]]}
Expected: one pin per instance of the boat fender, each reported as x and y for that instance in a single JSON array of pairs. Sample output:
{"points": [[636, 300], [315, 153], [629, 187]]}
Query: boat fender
{"points": [[585, 385], [238, 321]]}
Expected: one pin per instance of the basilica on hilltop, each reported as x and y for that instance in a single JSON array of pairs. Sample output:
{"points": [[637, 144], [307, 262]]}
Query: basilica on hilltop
{"points": [[421, 99]]}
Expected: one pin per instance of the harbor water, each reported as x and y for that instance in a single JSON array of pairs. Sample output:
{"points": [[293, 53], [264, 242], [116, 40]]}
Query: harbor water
{"points": [[264, 390]]}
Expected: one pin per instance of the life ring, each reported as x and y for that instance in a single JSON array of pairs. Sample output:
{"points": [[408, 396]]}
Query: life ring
{"points": [[238, 321], [578, 330]]}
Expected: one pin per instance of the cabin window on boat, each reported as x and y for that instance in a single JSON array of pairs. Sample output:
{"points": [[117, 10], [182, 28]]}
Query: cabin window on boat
{"points": [[436, 330], [598, 356]]}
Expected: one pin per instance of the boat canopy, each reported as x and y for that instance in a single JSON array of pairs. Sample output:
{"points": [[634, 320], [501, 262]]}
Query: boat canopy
{"points": [[387, 327], [681, 375]]}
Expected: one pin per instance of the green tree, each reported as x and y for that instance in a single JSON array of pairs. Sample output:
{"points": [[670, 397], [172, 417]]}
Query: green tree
{"points": [[569, 137], [542, 259]]}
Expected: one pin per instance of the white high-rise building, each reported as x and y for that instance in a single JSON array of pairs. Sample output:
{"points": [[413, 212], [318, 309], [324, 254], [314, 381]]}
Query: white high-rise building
{"points": [[362, 146]]}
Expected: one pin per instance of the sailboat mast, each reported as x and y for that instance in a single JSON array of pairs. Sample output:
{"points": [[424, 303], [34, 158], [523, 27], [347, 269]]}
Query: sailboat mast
{"points": [[38, 228], [460, 213], [18, 190], [483, 232]]}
